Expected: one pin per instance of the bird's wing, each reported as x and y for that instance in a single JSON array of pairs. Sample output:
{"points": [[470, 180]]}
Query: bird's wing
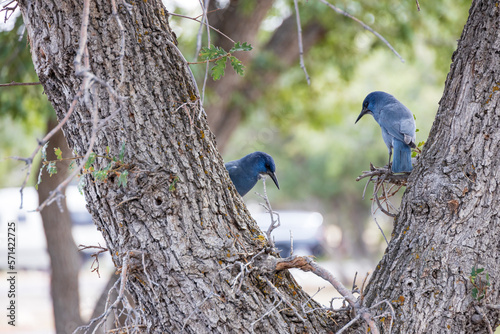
{"points": [[407, 128], [398, 121]]}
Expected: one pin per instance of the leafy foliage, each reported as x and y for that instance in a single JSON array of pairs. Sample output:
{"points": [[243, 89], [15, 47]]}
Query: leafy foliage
{"points": [[480, 289]]}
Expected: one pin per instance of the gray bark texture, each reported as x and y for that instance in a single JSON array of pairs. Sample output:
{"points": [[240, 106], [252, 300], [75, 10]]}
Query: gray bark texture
{"points": [[241, 20], [188, 233], [65, 261], [449, 218], [179, 218]]}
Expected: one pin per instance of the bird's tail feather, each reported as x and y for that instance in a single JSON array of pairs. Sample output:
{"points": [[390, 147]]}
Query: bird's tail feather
{"points": [[401, 161]]}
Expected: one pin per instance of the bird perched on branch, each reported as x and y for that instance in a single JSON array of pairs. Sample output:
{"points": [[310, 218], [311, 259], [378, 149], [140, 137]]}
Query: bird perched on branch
{"points": [[246, 171], [398, 127]]}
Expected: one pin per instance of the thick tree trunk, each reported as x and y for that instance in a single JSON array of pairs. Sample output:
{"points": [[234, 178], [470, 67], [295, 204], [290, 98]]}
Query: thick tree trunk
{"points": [[187, 229], [65, 261], [449, 215]]}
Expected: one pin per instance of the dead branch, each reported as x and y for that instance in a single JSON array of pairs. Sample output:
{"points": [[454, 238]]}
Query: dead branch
{"points": [[307, 264], [275, 223], [301, 48], [380, 177], [9, 10], [485, 319], [95, 256], [13, 83]]}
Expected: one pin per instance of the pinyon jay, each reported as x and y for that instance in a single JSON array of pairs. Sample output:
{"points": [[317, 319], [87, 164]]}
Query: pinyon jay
{"points": [[398, 127], [246, 171]]}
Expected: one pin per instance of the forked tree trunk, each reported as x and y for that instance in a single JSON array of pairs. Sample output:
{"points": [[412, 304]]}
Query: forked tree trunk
{"points": [[179, 208], [180, 212], [449, 220]]}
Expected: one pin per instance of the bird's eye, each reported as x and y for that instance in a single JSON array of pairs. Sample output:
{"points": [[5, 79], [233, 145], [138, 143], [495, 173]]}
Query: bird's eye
{"points": [[365, 104], [267, 166]]}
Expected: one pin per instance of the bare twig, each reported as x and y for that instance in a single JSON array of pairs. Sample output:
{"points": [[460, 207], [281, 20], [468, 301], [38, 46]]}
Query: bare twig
{"points": [[95, 256], [307, 302], [265, 314], [284, 299], [207, 66], [367, 317], [121, 293], [381, 231], [9, 10], [349, 324], [41, 143], [275, 223], [301, 47], [418, 5], [307, 264], [20, 84], [193, 80], [365, 26], [393, 314], [485, 319], [208, 25]]}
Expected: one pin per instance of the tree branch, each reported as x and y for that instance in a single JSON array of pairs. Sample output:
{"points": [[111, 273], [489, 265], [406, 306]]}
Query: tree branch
{"points": [[365, 26]]}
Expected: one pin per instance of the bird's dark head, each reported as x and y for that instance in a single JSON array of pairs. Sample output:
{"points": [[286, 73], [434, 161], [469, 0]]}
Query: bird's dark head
{"points": [[372, 104], [264, 165]]}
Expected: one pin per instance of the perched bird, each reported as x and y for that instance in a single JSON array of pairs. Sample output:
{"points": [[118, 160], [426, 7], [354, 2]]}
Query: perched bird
{"points": [[246, 171], [398, 127]]}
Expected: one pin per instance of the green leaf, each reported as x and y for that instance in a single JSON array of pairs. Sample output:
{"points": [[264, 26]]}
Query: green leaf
{"points": [[479, 270], [474, 293], [44, 151], [39, 178], [211, 52], [218, 69], [102, 174], [122, 152], [122, 179], [417, 130], [71, 165], [90, 160], [237, 65], [58, 153], [107, 150], [172, 185], [241, 47], [51, 168], [421, 144], [81, 184], [413, 154], [414, 117]]}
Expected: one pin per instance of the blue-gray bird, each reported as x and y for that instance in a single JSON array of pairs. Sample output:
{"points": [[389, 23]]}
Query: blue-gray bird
{"points": [[398, 127], [246, 171]]}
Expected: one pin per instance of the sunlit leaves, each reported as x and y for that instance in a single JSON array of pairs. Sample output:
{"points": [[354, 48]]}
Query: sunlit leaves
{"points": [[219, 57]]}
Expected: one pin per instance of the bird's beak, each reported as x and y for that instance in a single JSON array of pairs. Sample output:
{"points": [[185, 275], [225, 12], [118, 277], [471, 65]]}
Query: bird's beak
{"points": [[363, 112], [275, 179]]}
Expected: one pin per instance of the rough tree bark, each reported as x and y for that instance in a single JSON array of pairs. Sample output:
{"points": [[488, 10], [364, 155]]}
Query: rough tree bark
{"points": [[449, 220], [179, 209], [186, 230], [65, 261]]}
